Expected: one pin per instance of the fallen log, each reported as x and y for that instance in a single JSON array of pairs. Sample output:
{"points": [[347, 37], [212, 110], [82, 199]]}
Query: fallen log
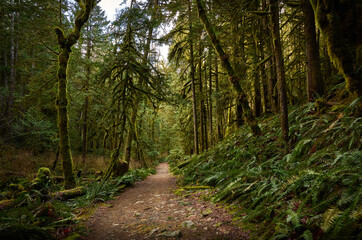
{"points": [[69, 194], [196, 187]]}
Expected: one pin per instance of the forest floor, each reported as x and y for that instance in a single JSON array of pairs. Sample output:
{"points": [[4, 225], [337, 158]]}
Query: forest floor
{"points": [[152, 210]]}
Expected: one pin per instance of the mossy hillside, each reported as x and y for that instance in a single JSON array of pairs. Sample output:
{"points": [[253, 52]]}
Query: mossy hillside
{"points": [[312, 191]]}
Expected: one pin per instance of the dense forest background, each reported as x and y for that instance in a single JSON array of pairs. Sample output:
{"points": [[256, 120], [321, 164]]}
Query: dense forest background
{"points": [[265, 88]]}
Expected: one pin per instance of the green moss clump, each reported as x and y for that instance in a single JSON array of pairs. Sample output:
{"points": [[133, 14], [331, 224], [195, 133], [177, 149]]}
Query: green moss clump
{"points": [[42, 180], [43, 175]]}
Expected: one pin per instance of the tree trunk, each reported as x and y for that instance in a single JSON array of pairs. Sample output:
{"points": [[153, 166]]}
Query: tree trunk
{"points": [[314, 77], [233, 78], [86, 101], [130, 134], [85, 129], [238, 52], [210, 100], [116, 167], [10, 101], [257, 92], [203, 137], [343, 35], [192, 78], [62, 104], [270, 64], [65, 43], [56, 158], [280, 68], [219, 111]]}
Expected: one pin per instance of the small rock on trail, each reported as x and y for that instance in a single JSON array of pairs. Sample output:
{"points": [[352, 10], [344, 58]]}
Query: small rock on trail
{"points": [[151, 210]]}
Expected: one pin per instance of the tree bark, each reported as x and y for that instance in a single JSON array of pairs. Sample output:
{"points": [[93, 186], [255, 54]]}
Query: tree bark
{"points": [[203, 126], [130, 134], [219, 111], [239, 63], [340, 23], [12, 76], [65, 43], [270, 64], [314, 77], [255, 74], [280, 68], [86, 101], [210, 100], [192, 78], [233, 78]]}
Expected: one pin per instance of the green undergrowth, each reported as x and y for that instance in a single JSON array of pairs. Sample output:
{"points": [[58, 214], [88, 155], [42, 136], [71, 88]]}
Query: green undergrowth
{"points": [[311, 192], [36, 214]]}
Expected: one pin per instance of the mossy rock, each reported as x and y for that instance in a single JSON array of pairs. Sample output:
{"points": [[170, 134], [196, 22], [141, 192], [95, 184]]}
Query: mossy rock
{"points": [[42, 179], [43, 175]]}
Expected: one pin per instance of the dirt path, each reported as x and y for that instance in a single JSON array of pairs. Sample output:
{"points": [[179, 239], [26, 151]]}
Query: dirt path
{"points": [[151, 210]]}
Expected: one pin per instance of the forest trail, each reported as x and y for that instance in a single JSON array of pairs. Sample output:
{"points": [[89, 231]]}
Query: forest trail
{"points": [[151, 210]]}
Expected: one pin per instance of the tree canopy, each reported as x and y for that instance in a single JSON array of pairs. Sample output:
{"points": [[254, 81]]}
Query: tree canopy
{"points": [[76, 87]]}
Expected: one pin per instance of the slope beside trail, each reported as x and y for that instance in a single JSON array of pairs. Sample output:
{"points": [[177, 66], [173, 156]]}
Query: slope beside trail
{"points": [[151, 210]]}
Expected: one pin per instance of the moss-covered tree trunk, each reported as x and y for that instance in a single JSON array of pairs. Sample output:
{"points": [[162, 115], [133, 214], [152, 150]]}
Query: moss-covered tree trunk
{"points": [[340, 23], [66, 42], [117, 167], [86, 101], [233, 77], [272, 95], [130, 134], [283, 101]]}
